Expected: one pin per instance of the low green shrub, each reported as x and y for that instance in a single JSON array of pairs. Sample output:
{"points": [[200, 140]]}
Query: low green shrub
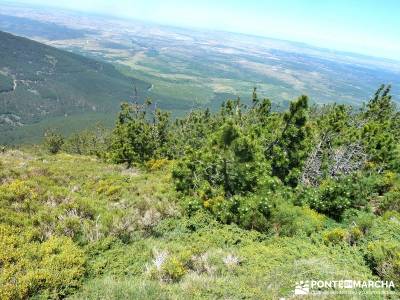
{"points": [[250, 212], [54, 267], [290, 220], [88, 142], [336, 236], [383, 256], [390, 201], [53, 141], [122, 288], [386, 227], [334, 197], [173, 269], [362, 220], [17, 191]]}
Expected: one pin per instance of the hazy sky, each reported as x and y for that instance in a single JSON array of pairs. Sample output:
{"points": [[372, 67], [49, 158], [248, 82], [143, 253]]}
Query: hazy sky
{"points": [[363, 26]]}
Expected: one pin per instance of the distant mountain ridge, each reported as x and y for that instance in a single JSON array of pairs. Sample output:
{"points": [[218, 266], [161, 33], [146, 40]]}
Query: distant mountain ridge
{"points": [[38, 82], [31, 28]]}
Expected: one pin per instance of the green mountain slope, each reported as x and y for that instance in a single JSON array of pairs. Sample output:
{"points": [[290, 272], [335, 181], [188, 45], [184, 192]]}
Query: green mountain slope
{"points": [[101, 234], [38, 83]]}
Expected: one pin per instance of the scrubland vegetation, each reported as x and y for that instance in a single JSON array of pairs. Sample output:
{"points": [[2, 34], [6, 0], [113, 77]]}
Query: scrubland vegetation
{"points": [[238, 204]]}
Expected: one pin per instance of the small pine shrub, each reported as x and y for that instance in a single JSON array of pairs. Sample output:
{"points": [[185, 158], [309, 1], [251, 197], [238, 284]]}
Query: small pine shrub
{"points": [[334, 197], [390, 201], [53, 141]]}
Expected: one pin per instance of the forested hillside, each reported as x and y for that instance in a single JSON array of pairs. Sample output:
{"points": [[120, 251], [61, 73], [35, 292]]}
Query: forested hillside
{"points": [[38, 82], [242, 203]]}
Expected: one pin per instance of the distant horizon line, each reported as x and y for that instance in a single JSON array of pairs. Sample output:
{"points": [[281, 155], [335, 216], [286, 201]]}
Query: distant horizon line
{"points": [[205, 29]]}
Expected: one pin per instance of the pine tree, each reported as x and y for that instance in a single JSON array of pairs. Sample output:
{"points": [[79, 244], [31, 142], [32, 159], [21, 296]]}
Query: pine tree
{"points": [[379, 131], [289, 151], [133, 137]]}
